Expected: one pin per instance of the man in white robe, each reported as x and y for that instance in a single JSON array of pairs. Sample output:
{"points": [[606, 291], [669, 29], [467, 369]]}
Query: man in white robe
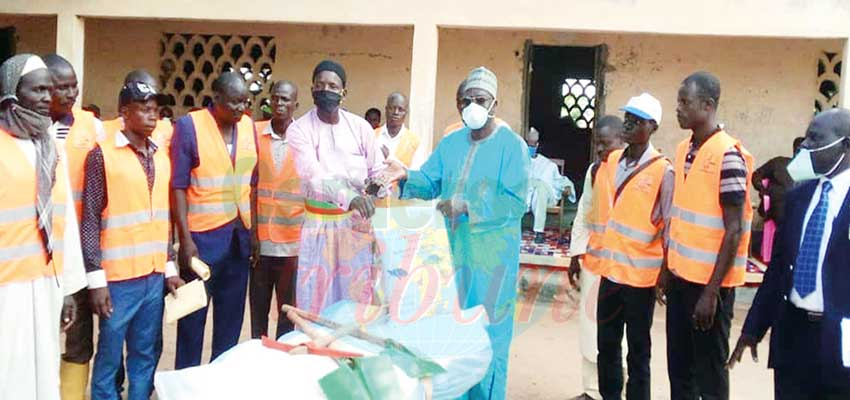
{"points": [[32, 311], [546, 185]]}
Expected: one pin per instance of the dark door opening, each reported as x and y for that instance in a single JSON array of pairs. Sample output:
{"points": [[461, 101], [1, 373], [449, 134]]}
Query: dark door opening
{"points": [[564, 89], [7, 42]]}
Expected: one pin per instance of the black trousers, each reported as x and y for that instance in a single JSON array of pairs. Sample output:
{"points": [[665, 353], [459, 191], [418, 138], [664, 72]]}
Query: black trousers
{"points": [[271, 274], [79, 345], [807, 379], [622, 306], [696, 360]]}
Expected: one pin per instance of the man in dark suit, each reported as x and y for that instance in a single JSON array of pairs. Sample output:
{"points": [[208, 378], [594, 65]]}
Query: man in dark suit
{"points": [[806, 291]]}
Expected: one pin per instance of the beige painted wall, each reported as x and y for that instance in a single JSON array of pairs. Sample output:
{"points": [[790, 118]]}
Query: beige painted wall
{"points": [[377, 59], [797, 18], [768, 85], [35, 34]]}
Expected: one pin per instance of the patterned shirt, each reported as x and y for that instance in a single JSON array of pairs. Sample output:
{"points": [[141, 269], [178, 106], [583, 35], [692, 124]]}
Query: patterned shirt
{"points": [[733, 173], [95, 200]]}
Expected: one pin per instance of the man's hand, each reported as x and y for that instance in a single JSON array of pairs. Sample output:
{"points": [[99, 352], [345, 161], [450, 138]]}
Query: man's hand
{"points": [[185, 253], [394, 172], [362, 205], [705, 309], [101, 302], [743, 342], [661, 286], [453, 209], [574, 271], [172, 283], [568, 191], [69, 312]]}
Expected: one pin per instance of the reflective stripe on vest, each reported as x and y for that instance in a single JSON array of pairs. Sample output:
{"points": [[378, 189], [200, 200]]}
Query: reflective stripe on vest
{"points": [[23, 256], [80, 140], [696, 223], [280, 204], [621, 258], [135, 224], [631, 248], [706, 221], [220, 189]]}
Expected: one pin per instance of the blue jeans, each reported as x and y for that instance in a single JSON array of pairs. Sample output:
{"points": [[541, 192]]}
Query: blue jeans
{"points": [[137, 319], [227, 288]]}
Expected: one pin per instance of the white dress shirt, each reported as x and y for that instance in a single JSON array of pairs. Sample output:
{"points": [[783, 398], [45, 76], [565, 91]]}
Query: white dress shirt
{"points": [[840, 185], [384, 139]]}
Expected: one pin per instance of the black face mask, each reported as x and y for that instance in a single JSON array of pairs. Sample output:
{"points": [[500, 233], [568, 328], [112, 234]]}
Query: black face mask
{"points": [[326, 100]]}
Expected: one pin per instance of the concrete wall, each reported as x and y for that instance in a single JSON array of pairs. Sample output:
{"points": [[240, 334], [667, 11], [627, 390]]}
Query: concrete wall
{"points": [[768, 85], [35, 34], [797, 18], [377, 59]]}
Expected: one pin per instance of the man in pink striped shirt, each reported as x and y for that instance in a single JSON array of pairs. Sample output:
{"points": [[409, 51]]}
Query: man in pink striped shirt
{"points": [[335, 154]]}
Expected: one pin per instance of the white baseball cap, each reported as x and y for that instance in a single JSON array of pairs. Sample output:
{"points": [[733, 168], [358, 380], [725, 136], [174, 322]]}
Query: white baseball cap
{"points": [[644, 106]]}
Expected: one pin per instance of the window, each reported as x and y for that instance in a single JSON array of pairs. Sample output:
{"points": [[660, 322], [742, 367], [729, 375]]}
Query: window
{"points": [[190, 63], [829, 77], [579, 101]]}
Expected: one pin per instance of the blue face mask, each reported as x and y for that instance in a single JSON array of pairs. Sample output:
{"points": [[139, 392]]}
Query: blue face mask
{"points": [[532, 151]]}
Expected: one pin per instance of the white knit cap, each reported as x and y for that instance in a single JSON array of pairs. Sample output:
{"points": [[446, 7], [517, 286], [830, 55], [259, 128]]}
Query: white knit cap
{"points": [[484, 79]]}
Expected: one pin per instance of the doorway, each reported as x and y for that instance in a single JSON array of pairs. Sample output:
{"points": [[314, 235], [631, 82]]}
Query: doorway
{"points": [[7, 42], [564, 89]]}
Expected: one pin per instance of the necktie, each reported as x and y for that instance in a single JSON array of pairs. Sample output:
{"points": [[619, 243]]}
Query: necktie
{"points": [[806, 266]]}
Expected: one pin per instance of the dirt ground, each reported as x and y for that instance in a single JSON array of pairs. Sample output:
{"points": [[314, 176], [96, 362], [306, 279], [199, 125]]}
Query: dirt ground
{"points": [[546, 363]]}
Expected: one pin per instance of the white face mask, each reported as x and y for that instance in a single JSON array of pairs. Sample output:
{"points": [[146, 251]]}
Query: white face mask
{"points": [[475, 116], [801, 167]]}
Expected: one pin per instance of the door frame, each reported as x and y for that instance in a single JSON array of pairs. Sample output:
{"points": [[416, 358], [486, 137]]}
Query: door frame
{"points": [[600, 66]]}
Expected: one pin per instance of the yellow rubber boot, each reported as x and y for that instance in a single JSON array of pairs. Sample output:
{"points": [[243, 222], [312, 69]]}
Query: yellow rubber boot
{"points": [[73, 379]]}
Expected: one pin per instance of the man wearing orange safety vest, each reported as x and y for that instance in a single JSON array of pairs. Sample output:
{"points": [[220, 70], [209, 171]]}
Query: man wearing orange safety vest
{"points": [[709, 237], [125, 229], [394, 139], [213, 179], [632, 195], [278, 214], [76, 132], [161, 135], [40, 258], [608, 137]]}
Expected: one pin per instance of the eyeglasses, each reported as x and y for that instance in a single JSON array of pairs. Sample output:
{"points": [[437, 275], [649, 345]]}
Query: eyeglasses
{"points": [[480, 100]]}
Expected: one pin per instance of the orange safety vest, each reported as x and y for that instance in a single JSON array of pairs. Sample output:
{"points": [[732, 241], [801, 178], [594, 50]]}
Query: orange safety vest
{"points": [[630, 249], [80, 140], [280, 204], [23, 256], [220, 189], [597, 219], [407, 146], [696, 223], [161, 135], [135, 223]]}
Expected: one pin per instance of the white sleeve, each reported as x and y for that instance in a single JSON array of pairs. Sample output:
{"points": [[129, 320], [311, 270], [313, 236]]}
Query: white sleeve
{"points": [[100, 134], [73, 270], [580, 234]]}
